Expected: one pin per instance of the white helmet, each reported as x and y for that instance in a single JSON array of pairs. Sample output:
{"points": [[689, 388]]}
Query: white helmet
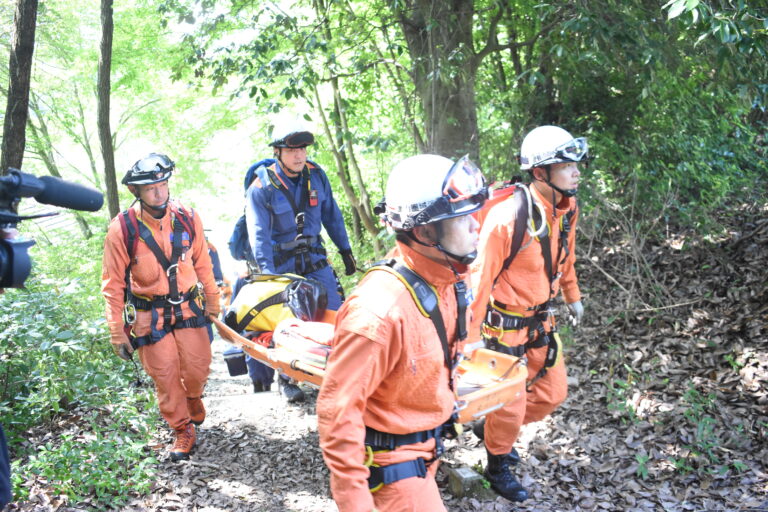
{"points": [[291, 132], [550, 145], [427, 188]]}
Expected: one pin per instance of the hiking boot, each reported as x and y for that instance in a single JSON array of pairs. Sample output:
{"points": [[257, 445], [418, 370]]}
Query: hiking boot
{"points": [[501, 479], [259, 387], [185, 441], [196, 410], [479, 430], [291, 392]]}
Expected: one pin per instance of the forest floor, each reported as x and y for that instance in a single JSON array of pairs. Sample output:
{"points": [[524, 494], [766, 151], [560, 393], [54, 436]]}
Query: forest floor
{"points": [[668, 405]]}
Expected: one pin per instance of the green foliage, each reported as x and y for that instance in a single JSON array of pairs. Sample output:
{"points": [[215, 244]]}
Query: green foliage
{"points": [[59, 373], [709, 447], [95, 463], [642, 465], [619, 393]]}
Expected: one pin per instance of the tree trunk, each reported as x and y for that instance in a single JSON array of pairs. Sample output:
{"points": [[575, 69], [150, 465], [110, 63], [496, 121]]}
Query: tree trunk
{"points": [[105, 133], [19, 74], [41, 141], [439, 37], [343, 151]]}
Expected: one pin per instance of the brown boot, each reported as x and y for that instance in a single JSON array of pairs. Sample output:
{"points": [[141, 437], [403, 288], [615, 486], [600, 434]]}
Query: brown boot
{"points": [[196, 410], [185, 441]]}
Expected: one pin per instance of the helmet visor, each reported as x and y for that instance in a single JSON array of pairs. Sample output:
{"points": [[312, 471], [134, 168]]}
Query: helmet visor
{"points": [[572, 151]]}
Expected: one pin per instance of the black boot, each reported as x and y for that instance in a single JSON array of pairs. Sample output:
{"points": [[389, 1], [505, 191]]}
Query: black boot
{"points": [[259, 387], [292, 392], [501, 479], [479, 430]]}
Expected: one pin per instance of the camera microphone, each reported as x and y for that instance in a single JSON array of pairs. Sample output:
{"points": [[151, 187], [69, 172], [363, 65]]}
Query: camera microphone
{"points": [[51, 190], [75, 196]]}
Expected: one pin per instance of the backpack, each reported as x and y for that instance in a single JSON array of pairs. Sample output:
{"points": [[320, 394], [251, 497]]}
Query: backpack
{"points": [[239, 246], [498, 192]]}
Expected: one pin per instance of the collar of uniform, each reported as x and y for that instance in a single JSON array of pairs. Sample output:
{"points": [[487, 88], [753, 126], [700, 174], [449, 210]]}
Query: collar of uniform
{"points": [[565, 204], [435, 273]]}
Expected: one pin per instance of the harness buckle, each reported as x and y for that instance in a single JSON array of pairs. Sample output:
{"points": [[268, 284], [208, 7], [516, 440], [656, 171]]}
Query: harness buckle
{"points": [[494, 319]]}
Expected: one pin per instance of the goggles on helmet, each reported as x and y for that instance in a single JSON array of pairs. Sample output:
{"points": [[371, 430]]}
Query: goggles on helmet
{"points": [[574, 150], [151, 169], [464, 181], [464, 191], [294, 140]]}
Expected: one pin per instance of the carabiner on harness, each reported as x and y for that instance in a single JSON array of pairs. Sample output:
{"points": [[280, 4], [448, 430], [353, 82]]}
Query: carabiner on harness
{"points": [[299, 219], [129, 314]]}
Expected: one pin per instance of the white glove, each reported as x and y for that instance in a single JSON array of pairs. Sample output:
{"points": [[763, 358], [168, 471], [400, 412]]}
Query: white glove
{"points": [[577, 310]]}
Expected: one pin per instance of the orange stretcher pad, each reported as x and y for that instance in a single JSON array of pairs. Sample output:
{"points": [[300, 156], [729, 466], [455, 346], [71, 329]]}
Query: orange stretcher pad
{"points": [[484, 382]]}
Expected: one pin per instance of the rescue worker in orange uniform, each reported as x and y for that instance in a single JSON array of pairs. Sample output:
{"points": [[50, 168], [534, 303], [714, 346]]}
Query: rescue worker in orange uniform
{"points": [[155, 253], [513, 307], [388, 387]]}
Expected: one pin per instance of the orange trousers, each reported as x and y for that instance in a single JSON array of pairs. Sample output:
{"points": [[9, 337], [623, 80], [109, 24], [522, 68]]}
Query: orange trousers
{"points": [[502, 426], [179, 365], [411, 494]]}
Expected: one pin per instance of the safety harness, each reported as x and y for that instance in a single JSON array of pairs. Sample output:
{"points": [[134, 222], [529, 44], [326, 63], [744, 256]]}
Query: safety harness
{"points": [[134, 229], [425, 297], [499, 317], [302, 246]]}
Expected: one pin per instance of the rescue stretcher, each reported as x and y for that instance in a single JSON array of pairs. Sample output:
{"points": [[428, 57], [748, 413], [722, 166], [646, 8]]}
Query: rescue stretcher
{"points": [[485, 382]]}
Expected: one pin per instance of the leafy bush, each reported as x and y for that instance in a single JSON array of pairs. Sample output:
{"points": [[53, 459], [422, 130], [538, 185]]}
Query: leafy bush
{"points": [[59, 375]]}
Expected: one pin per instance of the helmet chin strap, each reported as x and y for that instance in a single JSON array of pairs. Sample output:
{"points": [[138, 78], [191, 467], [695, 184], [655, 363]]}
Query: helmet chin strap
{"points": [[464, 260], [285, 168], [568, 192], [158, 209]]}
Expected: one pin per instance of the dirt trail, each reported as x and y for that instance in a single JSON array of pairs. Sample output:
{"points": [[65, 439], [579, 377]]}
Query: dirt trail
{"points": [[667, 407]]}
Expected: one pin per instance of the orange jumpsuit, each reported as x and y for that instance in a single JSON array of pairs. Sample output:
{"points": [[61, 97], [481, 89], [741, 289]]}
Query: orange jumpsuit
{"points": [[387, 371], [522, 285], [180, 362]]}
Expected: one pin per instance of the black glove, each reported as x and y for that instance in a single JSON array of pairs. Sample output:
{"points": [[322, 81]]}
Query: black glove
{"points": [[350, 265]]}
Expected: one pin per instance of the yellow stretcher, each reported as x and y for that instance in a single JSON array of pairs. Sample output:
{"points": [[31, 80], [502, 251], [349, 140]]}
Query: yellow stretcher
{"points": [[485, 382]]}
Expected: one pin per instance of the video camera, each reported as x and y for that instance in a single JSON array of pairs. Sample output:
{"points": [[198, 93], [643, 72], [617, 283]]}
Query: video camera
{"points": [[14, 260]]}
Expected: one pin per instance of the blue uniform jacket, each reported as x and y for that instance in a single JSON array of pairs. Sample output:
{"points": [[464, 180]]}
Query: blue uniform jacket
{"points": [[270, 218]]}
